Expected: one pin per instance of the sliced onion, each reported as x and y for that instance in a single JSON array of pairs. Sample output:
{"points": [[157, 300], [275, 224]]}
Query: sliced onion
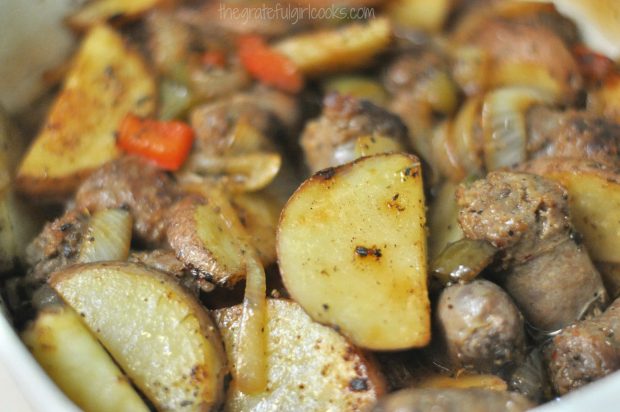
{"points": [[251, 363], [360, 87], [443, 222], [470, 69], [444, 156], [108, 236], [175, 99], [462, 261], [439, 92], [466, 136], [243, 173], [504, 125]]}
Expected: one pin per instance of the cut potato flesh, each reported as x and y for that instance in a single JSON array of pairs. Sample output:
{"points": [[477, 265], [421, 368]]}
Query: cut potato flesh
{"points": [[202, 240], [158, 333], [106, 81], [310, 366], [258, 213], [594, 202], [74, 359], [352, 251], [344, 48]]}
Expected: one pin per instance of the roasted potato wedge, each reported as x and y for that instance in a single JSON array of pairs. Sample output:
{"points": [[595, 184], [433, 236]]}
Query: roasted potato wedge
{"points": [[107, 80], [347, 47], [156, 331], [100, 11], [352, 251], [80, 366], [310, 366], [202, 240], [594, 201], [259, 213]]}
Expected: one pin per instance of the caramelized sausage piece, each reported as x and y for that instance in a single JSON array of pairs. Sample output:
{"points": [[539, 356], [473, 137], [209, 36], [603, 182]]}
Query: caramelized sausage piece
{"points": [[586, 351], [482, 327], [549, 276]]}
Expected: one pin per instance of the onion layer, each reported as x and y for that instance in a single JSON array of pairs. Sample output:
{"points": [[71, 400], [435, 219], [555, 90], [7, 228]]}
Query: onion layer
{"points": [[108, 236], [504, 125]]}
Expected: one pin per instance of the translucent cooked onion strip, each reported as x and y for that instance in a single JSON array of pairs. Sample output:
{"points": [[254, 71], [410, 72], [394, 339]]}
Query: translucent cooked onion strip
{"points": [[108, 236], [462, 261], [250, 373], [466, 136], [504, 126], [444, 153], [240, 173]]}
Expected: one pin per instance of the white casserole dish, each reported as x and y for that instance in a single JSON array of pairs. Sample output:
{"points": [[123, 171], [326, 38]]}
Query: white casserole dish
{"points": [[27, 25]]}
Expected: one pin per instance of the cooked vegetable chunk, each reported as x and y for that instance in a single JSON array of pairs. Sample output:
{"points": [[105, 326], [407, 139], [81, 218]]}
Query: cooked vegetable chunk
{"points": [[201, 239], [310, 366], [107, 80], [348, 47], [453, 400], [156, 331], [351, 240], [71, 355]]}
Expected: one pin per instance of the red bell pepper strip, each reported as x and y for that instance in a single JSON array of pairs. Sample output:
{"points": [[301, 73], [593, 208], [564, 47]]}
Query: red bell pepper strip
{"points": [[267, 65], [167, 144]]}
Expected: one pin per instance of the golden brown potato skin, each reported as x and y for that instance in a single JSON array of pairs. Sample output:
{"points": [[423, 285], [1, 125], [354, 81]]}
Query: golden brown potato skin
{"points": [[309, 366], [107, 79], [353, 239], [138, 314]]}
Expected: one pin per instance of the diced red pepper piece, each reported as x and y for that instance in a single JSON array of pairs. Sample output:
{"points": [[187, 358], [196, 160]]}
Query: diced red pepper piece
{"points": [[269, 66], [166, 143]]}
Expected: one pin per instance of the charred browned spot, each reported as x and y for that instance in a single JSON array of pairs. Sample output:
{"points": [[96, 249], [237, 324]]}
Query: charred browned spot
{"points": [[358, 384], [326, 174], [363, 251], [408, 172], [393, 204]]}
